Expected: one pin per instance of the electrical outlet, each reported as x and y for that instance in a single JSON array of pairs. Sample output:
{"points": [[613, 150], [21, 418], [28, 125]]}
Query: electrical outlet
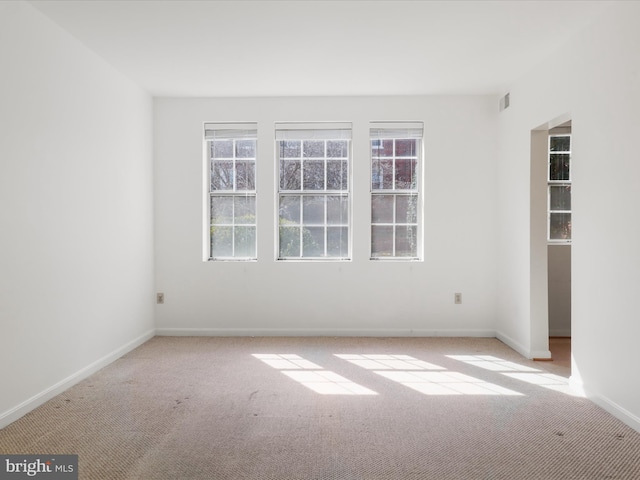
{"points": [[457, 298], [159, 298]]}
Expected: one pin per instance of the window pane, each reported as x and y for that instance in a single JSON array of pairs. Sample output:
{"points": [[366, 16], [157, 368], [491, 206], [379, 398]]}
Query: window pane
{"points": [[221, 241], [314, 174], [337, 148], [246, 149], [381, 241], [560, 197], [290, 175], [407, 209], [382, 208], [246, 176], [560, 144], [222, 149], [222, 176], [290, 149], [314, 192], [337, 241], [245, 242], [289, 242], [313, 210], [381, 148], [245, 210], [559, 166], [313, 242], [560, 226], [406, 174], [221, 210], [337, 175], [405, 148], [337, 210], [406, 241], [289, 210], [382, 174], [232, 153], [313, 148], [395, 162]]}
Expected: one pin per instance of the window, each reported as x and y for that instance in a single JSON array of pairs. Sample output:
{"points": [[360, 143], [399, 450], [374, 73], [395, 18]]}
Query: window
{"points": [[395, 190], [559, 188], [313, 190], [231, 157]]}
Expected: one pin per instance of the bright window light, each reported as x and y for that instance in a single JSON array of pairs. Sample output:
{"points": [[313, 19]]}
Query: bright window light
{"points": [[445, 383], [519, 372], [327, 382], [495, 364], [389, 362], [424, 377], [312, 375], [287, 362]]}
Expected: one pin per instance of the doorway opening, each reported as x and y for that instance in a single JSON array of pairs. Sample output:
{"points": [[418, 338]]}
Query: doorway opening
{"points": [[559, 243], [550, 239]]}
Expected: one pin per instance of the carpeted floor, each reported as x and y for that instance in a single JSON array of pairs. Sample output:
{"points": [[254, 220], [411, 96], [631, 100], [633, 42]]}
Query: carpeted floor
{"points": [[328, 408]]}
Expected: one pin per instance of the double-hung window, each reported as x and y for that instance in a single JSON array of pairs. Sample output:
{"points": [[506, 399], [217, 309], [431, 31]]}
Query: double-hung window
{"points": [[231, 158], [313, 190], [396, 153], [559, 188]]}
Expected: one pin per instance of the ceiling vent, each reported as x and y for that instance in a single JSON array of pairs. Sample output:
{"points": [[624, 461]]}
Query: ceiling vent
{"points": [[504, 102]]}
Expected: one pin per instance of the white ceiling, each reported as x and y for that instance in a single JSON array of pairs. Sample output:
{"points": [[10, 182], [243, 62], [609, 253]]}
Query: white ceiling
{"points": [[303, 47]]}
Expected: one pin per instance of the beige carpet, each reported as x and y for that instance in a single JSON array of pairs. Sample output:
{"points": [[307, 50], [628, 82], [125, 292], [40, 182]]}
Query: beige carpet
{"points": [[328, 408]]}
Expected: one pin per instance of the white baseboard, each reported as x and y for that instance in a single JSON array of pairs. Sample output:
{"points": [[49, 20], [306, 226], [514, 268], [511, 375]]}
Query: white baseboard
{"points": [[513, 344], [25, 407], [521, 349], [616, 410], [319, 332], [609, 406]]}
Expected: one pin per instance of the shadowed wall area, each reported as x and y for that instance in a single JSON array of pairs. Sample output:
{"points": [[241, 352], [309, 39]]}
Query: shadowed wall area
{"points": [[328, 408]]}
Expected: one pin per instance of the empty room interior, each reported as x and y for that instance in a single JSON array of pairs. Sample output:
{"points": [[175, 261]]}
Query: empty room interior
{"points": [[321, 239]]}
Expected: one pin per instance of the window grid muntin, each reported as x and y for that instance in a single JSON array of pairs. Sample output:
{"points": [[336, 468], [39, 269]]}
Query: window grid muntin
{"points": [[325, 224], [232, 192], [376, 145], [303, 192], [306, 160], [558, 183]]}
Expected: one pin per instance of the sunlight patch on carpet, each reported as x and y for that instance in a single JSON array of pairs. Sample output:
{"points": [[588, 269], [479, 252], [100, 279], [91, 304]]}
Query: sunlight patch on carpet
{"points": [[424, 377], [523, 373], [311, 375]]}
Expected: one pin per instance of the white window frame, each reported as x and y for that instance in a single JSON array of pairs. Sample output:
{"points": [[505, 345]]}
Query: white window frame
{"points": [[303, 132], [235, 132], [397, 131], [557, 183]]}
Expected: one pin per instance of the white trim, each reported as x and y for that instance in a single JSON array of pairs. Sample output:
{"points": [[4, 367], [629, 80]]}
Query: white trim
{"points": [[30, 404], [613, 408], [540, 354], [521, 349], [320, 332], [513, 344]]}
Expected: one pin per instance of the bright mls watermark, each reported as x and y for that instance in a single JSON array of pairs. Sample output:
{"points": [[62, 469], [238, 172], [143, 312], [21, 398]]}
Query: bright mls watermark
{"points": [[49, 467]]}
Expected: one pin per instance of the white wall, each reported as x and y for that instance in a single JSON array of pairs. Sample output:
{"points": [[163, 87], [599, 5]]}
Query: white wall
{"points": [[76, 253], [356, 297], [595, 80]]}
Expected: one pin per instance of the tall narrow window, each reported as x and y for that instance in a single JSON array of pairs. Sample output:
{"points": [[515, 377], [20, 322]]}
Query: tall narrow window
{"points": [[231, 156], [313, 190], [559, 193], [396, 151]]}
